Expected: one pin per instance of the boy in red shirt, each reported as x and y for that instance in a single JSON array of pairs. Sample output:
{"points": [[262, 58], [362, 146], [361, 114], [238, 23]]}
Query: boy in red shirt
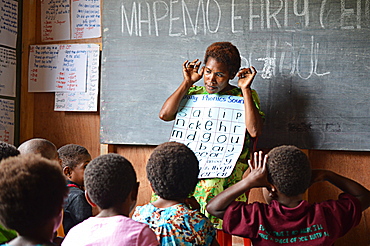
{"points": [[285, 174]]}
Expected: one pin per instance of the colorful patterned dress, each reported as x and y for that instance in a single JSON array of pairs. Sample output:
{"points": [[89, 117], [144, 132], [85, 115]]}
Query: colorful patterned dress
{"points": [[177, 224]]}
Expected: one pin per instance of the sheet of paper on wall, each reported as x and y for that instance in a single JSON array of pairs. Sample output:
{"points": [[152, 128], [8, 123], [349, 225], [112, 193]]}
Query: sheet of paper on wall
{"points": [[83, 101], [213, 126], [8, 61], [85, 18], [57, 68], [55, 20], [8, 22], [7, 108]]}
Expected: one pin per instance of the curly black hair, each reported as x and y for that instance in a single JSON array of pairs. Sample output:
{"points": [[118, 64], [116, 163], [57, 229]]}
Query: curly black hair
{"points": [[39, 146], [33, 189], [109, 179], [225, 53], [7, 150], [172, 170], [72, 154], [289, 169]]}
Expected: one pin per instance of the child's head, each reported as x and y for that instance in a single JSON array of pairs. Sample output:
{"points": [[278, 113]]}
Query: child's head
{"points": [[289, 170], [172, 170], [225, 53], [109, 180], [33, 189], [74, 159], [7, 150], [39, 146]]}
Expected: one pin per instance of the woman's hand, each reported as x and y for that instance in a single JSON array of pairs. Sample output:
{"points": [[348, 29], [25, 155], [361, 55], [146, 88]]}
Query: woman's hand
{"points": [[191, 71], [246, 76]]}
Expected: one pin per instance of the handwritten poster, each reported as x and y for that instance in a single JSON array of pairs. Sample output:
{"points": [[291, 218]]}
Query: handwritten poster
{"points": [[83, 101], [55, 21], [62, 20], [55, 68], [213, 126], [7, 72], [7, 108], [8, 22], [86, 19]]}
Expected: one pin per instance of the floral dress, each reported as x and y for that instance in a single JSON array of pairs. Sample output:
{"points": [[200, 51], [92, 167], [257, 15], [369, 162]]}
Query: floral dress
{"points": [[177, 224]]}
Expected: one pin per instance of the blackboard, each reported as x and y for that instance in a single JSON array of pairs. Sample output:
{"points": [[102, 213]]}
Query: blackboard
{"points": [[312, 58]]}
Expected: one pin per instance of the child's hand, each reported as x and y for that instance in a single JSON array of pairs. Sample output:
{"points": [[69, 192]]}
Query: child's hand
{"points": [[190, 71], [258, 173], [318, 175], [246, 76]]}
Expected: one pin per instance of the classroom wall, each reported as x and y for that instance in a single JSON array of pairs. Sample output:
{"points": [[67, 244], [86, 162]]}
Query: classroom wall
{"points": [[39, 120]]}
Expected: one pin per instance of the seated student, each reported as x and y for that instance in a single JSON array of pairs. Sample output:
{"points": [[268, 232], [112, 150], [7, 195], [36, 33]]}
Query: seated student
{"points": [[172, 170], [74, 159], [33, 189], [7, 150], [39, 146], [286, 174], [111, 185]]}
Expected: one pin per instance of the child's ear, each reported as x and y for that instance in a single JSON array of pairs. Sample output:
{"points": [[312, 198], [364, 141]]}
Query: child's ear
{"points": [[89, 200], [272, 191], [67, 171]]}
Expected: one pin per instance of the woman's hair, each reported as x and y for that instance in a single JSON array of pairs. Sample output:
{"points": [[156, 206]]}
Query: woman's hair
{"points": [[225, 53], [33, 189], [7, 150], [289, 170], [172, 170], [109, 179], [72, 154]]}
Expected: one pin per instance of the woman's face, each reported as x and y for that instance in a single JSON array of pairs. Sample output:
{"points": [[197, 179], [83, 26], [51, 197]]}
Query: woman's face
{"points": [[216, 76]]}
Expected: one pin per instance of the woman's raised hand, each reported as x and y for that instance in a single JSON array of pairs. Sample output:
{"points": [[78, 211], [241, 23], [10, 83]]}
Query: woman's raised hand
{"points": [[246, 76], [191, 71]]}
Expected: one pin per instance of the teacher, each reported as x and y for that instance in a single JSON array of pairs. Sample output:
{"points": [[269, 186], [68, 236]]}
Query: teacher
{"points": [[222, 63]]}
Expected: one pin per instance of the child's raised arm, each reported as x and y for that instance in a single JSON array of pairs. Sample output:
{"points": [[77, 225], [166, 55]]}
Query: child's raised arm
{"points": [[256, 178], [191, 75], [345, 184]]}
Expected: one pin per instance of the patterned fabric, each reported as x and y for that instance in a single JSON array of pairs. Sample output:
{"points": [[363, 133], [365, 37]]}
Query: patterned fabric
{"points": [[206, 189], [176, 225], [6, 235]]}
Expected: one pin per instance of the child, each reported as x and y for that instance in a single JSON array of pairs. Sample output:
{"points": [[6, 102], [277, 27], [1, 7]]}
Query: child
{"points": [[32, 194], [39, 146], [7, 150], [222, 63], [74, 159], [286, 174], [173, 170], [111, 185]]}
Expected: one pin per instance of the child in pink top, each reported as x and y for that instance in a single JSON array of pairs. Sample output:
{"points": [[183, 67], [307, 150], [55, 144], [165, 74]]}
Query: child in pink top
{"points": [[110, 182]]}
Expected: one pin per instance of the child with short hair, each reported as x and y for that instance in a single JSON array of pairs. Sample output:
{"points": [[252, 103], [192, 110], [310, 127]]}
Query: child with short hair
{"points": [[31, 199], [74, 159], [111, 185], [285, 174], [172, 170]]}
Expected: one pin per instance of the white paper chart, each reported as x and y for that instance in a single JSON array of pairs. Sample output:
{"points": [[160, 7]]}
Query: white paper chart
{"points": [[213, 126], [60, 68], [7, 108], [65, 19], [8, 61], [8, 23], [83, 101]]}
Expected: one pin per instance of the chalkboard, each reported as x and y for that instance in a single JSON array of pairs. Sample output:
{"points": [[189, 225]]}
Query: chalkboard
{"points": [[312, 58]]}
